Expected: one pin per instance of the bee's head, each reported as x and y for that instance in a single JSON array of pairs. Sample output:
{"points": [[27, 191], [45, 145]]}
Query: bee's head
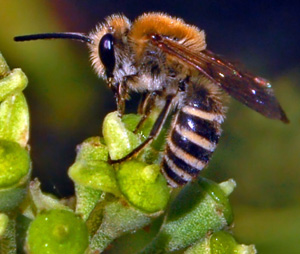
{"points": [[109, 47], [108, 44]]}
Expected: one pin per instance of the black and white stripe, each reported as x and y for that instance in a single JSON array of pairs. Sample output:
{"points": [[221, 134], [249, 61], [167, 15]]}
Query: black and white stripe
{"points": [[192, 140]]}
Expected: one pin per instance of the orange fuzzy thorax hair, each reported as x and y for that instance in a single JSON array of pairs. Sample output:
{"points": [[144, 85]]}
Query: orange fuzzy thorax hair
{"points": [[162, 24]]}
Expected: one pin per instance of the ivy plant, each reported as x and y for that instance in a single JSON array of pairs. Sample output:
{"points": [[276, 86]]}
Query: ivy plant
{"points": [[130, 200]]}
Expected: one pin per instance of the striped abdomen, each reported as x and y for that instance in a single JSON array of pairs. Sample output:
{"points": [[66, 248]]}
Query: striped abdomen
{"points": [[193, 137]]}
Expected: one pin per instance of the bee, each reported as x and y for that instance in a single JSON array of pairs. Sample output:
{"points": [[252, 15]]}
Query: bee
{"points": [[166, 60]]}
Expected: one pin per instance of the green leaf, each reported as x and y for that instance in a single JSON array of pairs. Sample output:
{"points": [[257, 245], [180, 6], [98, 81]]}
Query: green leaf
{"points": [[220, 193], [196, 211], [42, 201], [118, 218], [86, 200]]}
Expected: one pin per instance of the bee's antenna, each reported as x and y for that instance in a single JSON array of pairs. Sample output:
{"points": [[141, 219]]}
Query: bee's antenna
{"points": [[72, 36]]}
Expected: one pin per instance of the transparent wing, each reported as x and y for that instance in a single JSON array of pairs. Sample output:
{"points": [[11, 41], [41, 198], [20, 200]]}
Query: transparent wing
{"points": [[253, 91]]}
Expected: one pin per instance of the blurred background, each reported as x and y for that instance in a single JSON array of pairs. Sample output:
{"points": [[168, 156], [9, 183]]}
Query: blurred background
{"points": [[68, 102]]}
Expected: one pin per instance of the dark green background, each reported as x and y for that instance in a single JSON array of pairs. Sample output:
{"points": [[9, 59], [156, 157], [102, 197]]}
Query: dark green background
{"points": [[67, 102]]}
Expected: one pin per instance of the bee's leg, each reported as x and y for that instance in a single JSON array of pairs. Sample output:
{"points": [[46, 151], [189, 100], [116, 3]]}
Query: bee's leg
{"points": [[120, 93], [141, 106], [145, 107], [154, 131], [121, 96]]}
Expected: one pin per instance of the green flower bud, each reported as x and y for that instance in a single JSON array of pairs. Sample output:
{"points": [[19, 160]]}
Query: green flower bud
{"points": [[14, 163], [143, 185], [4, 69], [224, 243], [92, 175], [14, 119], [92, 150], [98, 175], [57, 231], [220, 242], [14, 173], [13, 83], [119, 140]]}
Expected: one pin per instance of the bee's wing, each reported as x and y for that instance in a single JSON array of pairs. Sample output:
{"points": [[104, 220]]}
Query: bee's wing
{"points": [[255, 92]]}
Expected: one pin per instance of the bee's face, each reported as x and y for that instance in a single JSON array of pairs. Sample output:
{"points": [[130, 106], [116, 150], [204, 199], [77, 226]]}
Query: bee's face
{"points": [[109, 47]]}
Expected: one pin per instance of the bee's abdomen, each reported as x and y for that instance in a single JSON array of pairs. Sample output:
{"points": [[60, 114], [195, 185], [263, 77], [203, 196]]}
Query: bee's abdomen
{"points": [[192, 140]]}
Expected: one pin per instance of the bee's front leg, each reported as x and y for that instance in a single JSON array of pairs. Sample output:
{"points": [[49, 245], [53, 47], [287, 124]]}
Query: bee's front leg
{"points": [[121, 96], [120, 91]]}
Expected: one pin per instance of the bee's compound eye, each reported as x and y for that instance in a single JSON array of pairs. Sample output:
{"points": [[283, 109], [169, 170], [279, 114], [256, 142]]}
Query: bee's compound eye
{"points": [[107, 54]]}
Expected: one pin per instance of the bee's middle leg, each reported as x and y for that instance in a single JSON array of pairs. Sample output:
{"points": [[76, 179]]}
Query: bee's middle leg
{"points": [[145, 107]]}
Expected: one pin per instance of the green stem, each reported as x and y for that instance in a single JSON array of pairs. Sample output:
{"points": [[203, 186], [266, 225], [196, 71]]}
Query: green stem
{"points": [[8, 239]]}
